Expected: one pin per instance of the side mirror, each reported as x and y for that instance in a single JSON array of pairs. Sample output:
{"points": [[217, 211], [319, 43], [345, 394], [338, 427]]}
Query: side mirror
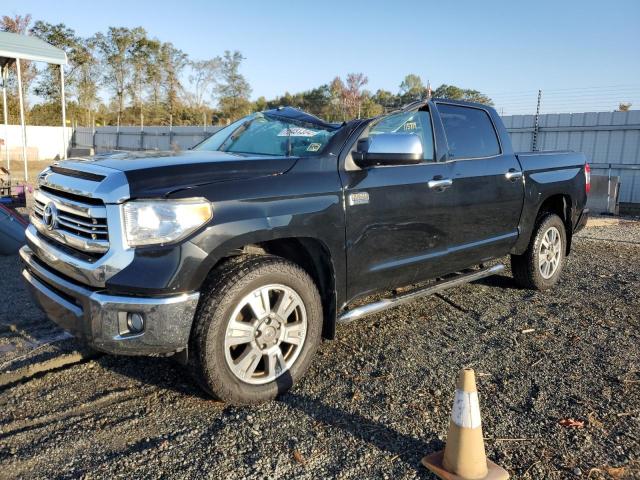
{"points": [[388, 149]]}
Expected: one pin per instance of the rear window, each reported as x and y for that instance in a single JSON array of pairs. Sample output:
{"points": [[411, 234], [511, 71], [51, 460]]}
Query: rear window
{"points": [[470, 133]]}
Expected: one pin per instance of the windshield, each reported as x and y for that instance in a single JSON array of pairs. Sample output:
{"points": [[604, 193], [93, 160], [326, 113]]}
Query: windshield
{"points": [[268, 134]]}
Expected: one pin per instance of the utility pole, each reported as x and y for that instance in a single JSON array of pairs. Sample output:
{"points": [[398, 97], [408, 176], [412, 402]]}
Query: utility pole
{"points": [[534, 140]]}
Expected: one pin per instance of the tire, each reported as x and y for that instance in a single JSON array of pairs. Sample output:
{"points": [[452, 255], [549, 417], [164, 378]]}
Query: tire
{"points": [[235, 340], [531, 269]]}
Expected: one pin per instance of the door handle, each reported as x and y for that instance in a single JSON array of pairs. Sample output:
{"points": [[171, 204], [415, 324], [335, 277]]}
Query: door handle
{"points": [[513, 174], [440, 184]]}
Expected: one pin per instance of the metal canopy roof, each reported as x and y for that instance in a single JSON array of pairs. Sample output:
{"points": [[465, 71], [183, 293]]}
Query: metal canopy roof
{"points": [[14, 46]]}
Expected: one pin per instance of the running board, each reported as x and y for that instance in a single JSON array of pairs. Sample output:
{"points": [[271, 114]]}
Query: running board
{"points": [[385, 304]]}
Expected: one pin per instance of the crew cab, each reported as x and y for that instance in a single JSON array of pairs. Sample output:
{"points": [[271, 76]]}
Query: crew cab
{"points": [[239, 255]]}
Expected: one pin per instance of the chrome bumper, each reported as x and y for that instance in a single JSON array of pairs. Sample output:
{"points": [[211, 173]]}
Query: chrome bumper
{"points": [[100, 319]]}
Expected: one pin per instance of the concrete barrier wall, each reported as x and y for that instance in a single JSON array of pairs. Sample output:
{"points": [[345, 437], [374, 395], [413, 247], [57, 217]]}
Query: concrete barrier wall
{"points": [[43, 143]]}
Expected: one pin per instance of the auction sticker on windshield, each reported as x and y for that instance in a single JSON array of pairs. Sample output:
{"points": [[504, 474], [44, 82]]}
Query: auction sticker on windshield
{"points": [[297, 132]]}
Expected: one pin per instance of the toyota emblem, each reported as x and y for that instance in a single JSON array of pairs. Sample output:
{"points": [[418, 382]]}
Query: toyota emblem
{"points": [[50, 216]]}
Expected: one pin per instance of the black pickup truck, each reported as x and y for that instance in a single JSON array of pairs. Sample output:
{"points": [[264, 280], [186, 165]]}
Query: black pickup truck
{"points": [[239, 255]]}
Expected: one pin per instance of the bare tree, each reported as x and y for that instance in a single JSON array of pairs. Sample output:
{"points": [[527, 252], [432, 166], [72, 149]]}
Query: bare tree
{"points": [[353, 93], [624, 107], [203, 79]]}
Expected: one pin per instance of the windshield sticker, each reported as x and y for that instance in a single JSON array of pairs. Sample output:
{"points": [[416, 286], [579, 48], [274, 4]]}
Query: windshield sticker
{"points": [[313, 147], [297, 132]]}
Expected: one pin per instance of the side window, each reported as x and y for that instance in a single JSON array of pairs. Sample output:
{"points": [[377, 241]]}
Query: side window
{"points": [[469, 131], [413, 123]]}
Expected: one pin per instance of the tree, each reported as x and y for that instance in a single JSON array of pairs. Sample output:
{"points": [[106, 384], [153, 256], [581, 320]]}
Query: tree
{"points": [[369, 107], [233, 91], [412, 88], [203, 78], [353, 93], [142, 57], [624, 107], [81, 74], [457, 93], [115, 48], [386, 99], [337, 109], [173, 61], [260, 104]]}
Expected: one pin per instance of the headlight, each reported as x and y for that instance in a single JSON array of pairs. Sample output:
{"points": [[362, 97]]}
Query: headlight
{"points": [[151, 222]]}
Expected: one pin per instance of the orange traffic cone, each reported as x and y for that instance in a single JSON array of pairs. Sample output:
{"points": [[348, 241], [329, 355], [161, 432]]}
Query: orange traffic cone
{"points": [[463, 458]]}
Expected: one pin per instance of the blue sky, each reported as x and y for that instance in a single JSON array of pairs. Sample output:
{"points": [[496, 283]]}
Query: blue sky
{"points": [[507, 49]]}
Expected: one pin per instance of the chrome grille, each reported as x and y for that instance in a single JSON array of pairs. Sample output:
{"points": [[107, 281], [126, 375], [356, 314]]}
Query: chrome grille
{"points": [[79, 225]]}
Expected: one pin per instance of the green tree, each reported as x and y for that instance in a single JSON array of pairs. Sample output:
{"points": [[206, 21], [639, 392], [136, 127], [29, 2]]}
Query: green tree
{"points": [[412, 88], [457, 93], [143, 59], [173, 61], [260, 104], [115, 48], [387, 100], [233, 90]]}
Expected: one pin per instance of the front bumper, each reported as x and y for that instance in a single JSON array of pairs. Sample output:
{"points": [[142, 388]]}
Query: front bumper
{"points": [[100, 319]]}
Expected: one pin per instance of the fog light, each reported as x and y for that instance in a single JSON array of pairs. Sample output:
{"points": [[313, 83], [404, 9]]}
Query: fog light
{"points": [[135, 322]]}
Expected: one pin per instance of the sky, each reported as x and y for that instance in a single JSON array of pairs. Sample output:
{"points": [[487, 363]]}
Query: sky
{"points": [[580, 53]]}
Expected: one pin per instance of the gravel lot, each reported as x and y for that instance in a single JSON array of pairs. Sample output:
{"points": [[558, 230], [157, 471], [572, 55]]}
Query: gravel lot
{"points": [[375, 400]]}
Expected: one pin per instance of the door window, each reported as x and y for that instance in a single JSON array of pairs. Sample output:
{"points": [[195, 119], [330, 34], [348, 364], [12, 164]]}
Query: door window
{"points": [[470, 133], [415, 123]]}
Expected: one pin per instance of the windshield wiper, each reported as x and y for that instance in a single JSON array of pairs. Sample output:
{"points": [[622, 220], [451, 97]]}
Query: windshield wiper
{"points": [[233, 136]]}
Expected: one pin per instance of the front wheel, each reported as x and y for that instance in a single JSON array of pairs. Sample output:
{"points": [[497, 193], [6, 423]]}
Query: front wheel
{"points": [[540, 267], [256, 329]]}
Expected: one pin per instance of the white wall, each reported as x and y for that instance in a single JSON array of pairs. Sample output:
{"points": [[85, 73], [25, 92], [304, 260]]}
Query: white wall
{"points": [[43, 143]]}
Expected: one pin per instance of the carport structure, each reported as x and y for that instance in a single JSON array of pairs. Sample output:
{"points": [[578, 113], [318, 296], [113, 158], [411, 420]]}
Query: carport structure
{"points": [[16, 48]]}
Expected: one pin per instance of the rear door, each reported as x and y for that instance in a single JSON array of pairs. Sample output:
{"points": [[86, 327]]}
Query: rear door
{"points": [[488, 189], [396, 225]]}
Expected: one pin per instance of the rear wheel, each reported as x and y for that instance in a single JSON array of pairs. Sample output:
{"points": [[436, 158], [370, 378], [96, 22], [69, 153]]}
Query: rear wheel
{"points": [[541, 265], [257, 329]]}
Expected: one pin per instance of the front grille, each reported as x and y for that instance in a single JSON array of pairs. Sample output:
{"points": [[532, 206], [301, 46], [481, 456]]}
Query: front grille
{"points": [[81, 225]]}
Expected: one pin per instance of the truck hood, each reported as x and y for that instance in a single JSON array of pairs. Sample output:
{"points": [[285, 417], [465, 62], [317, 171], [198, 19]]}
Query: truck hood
{"points": [[160, 173]]}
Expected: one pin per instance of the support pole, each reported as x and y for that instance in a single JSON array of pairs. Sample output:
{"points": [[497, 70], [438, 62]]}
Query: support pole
{"points": [[5, 111], [64, 115], [24, 128], [534, 140]]}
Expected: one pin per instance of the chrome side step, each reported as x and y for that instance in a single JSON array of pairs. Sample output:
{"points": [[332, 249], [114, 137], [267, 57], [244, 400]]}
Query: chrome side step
{"points": [[386, 303]]}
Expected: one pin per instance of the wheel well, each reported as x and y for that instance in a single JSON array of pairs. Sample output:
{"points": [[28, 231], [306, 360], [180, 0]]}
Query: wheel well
{"points": [[561, 206], [312, 256]]}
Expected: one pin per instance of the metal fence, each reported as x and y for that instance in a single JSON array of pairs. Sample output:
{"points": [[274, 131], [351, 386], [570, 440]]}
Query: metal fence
{"points": [[134, 138], [610, 140]]}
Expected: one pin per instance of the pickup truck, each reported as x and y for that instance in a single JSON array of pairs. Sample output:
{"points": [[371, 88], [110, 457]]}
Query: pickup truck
{"points": [[241, 254]]}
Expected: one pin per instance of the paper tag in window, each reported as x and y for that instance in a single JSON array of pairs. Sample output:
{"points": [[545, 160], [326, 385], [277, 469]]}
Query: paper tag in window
{"points": [[297, 132], [313, 147]]}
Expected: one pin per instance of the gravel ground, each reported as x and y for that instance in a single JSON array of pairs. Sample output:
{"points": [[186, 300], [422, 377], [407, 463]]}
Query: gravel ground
{"points": [[375, 400]]}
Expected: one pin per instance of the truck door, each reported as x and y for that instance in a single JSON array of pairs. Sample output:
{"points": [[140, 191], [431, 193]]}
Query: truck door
{"points": [[397, 219], [487, 190]]}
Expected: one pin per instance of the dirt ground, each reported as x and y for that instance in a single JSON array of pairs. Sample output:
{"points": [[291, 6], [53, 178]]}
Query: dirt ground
{"points": [[558, 375]]}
